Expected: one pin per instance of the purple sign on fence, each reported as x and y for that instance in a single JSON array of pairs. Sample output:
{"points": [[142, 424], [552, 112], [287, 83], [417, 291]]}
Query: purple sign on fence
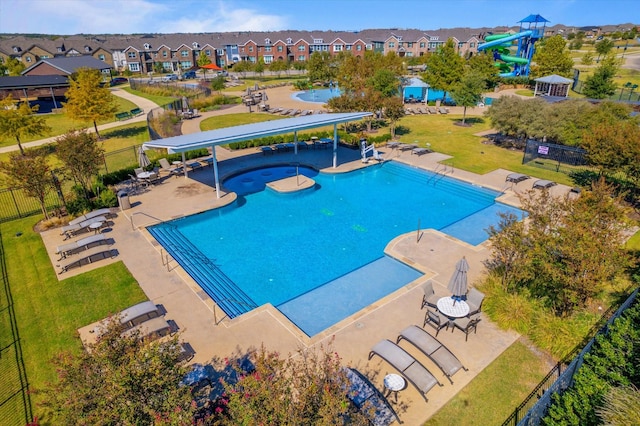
{"points": [[543, 150]]}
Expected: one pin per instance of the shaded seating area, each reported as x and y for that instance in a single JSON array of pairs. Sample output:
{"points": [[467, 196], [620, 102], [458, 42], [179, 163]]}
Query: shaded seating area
{"points": [[543, 184], [416, 373], [363, 394], [66, 250], [91, 256], [433, 349]]}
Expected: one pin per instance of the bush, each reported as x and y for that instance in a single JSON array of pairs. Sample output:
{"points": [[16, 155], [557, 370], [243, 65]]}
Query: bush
{"points": [[107, 198]]}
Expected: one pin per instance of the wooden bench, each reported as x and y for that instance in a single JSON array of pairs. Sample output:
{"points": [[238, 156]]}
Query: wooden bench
{"points": [[123, 115], [135, 112]]}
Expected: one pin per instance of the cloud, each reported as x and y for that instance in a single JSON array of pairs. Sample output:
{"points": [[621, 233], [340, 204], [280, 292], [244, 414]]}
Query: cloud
{"points": [[131, 16]]}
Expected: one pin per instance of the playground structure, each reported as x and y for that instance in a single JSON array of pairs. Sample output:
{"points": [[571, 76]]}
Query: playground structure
{"points": [[501, 45]]}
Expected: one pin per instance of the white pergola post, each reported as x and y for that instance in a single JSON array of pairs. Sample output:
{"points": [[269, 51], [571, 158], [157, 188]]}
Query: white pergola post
{"points": [[215, 170], [335, 145]]}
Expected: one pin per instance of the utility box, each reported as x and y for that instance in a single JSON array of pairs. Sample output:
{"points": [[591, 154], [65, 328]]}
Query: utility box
{"points": [[123, 200]]}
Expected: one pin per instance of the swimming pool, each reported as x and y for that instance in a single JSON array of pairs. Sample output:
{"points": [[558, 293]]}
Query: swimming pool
{"points": [[317, 95], [283, 248]]}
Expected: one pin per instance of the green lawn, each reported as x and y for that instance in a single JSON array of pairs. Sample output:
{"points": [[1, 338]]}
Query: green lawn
{"points": [[48, 311], [494, 393]]}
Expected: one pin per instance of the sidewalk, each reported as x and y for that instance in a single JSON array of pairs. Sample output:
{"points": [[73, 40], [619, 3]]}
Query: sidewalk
{"points": [[142, 103]]}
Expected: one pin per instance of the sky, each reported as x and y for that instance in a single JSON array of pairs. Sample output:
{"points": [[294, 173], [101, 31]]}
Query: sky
{"points": [[67, 17]]}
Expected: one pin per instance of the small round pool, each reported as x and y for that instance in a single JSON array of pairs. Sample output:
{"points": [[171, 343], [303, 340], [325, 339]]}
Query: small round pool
{"points": [[316, 95]]}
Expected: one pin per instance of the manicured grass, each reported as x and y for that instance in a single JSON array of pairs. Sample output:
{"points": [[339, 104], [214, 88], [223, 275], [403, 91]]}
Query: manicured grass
{"points": [[494, 393], [230, 120], [160, 100], [49, 311]]}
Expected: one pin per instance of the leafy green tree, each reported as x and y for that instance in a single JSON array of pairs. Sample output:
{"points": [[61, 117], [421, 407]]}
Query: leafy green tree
{"points": [[243, 67], [31, 172], [566, 122], [552, 57], [444, 68], [87, 100], [614, 147], [587, 59], [517, 117], [203, 59], [217, 83], [14, 66], [571, 249], [158, 68], [306, 389], [259, 66], [20, 120], [600, 85], [81, 155], [385, 82], [121, 380], [320, 67], [468, 92], [603, 47], [393, 111], [483, 64], [278, 67]]}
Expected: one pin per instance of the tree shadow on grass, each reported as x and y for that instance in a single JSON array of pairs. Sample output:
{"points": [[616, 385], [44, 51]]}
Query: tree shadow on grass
{"points": [[127, 132], [469, 120]]}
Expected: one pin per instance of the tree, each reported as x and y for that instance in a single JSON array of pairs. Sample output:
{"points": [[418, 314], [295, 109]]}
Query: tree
{"points": [[587, 58], [468, 92], [15, 66], [121, 380], [600, 85], [278, 67], [158, 68], [307, 389], [203, 59], [483, 64], [242, 67], [444, 68], [572, 247], [81, 155], [614, 147], [31, 172], [217, 83], [320, 67], [258, 67], [21, 120], [393, 111], [552, 57], [603, 47], [87, 100]]}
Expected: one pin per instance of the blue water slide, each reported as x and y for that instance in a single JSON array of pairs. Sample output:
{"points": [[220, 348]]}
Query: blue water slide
{"points": [[503, 40]]}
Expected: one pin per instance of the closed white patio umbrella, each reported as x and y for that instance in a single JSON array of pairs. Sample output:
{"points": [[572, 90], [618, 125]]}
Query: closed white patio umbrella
{"points": [[458, 282]]}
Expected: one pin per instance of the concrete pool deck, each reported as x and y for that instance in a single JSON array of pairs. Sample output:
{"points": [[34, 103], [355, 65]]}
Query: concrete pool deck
{"points": [[215, 338]]}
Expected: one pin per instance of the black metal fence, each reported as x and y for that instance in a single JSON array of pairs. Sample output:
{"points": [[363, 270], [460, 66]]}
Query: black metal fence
{"points": [[559, 158], [15, 402], [15, 204], [626, 93], [534, 407]]}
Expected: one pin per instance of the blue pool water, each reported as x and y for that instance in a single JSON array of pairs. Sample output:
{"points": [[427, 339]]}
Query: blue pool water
{"points": [[317, 95], [322, 244]]}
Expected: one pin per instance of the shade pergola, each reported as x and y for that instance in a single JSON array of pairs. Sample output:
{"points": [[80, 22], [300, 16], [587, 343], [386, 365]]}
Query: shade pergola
{"points": [[227, 135]]}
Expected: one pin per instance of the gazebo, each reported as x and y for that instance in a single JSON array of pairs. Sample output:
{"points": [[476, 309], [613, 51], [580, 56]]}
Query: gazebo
{"points": [[416, 91], [552, 85]]}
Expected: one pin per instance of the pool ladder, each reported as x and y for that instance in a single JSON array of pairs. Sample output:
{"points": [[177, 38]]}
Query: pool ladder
{"points": [[440, 172]]}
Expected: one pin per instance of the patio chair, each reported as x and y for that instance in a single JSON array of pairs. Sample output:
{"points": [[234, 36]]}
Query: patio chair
{"points": [[172, 170], [149, 330], [420, 151], [436, 321], [429, 298], [80, 245], [100, 212], [543, 184], [432, 348], [443, 110], [138, 170], [516, 177], [137, 314], [92, 256], [474, 300], [363, 394], [416, 373], [432, 110], [466, 324]]}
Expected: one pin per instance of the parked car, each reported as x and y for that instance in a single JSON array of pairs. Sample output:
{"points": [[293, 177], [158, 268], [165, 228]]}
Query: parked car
{"points": [[188, 75], [118, 80], [169, 77]]}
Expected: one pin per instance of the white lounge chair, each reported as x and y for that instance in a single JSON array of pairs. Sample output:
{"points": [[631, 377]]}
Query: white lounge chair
{"points": [[151, 329], [82, 244], [70, 230], [101, 212]]}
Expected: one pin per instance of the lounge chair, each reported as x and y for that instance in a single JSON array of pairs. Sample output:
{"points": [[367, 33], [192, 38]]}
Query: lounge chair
{"points": [[543, 184], [194, 165], [296, 112], [151, 329], [172, 170], [443, 110], [91, 256], [286, 112], [82, 244], [71, 230], [266, 150], [516, 177], [420, 151], [364, 395], [302, 144], [208, 161], [402, 361], [275, 110], [406, 146], [432, 110], [420, 111], [95, 213], [137, 314], [432, 348]]}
